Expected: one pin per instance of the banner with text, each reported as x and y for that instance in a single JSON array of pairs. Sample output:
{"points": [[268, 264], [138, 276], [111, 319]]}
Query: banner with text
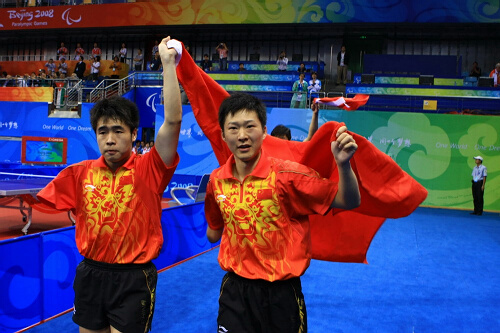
{"points": [[191, 12]]}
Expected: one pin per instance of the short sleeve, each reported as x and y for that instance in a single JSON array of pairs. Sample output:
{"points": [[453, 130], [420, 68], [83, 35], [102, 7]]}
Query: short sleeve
{"points": [[151, 167], [212, 210], [305, 192], [60, 192]]}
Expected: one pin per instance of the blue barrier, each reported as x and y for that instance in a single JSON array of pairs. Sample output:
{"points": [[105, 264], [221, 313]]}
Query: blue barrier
{"points": [[37, 271]]}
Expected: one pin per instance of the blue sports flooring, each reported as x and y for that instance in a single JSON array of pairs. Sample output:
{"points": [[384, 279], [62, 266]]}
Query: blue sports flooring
{"points": [[433, 271]]}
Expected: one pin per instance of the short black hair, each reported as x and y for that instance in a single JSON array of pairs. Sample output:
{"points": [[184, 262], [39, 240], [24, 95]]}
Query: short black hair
{"points": [[116, 108], [281, 131], [239, 102]]}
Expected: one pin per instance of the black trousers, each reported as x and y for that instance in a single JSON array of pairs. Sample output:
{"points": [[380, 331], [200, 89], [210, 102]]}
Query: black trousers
{"points": [[478, 195]]}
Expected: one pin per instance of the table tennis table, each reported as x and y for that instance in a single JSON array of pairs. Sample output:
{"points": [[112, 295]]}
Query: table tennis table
{"points": [[15, 189]]}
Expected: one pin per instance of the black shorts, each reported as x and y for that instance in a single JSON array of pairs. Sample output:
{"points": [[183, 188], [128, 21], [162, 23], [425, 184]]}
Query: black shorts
{"points": [[247, 306], [118, 295]]}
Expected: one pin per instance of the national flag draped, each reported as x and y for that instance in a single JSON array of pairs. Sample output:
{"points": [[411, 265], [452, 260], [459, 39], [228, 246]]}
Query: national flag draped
{"points": [[344, 236]]}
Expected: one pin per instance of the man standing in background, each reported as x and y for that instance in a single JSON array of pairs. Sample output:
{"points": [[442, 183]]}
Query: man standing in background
{"points": [[342, 62], [479, 174]]}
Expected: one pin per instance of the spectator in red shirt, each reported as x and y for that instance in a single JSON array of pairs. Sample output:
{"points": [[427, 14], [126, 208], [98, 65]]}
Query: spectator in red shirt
{"points": [[62, 52]]}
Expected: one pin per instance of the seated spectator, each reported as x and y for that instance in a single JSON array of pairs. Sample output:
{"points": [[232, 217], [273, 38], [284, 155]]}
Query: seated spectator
{"points": [[475, 71], [241, 67], [33, 80], [44, 82], [116, 67], [9, 81], [495, 74], [206, 63], [302, 68], [156, 63]]}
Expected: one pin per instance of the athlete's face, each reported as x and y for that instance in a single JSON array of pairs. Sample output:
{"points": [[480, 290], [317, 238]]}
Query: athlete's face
{"points": [[243, 133], [115, 141]]}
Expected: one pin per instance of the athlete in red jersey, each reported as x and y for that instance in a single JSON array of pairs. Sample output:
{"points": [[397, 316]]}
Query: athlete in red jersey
{"points": [[259, 205], [116, 200]]}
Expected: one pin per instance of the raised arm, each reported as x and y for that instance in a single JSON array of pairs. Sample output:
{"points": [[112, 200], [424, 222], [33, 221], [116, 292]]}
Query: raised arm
{"points": [[313, 126], [168, 134], [348, 196]]}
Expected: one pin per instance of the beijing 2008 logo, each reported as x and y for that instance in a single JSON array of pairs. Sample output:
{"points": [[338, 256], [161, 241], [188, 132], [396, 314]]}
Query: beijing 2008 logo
{"points": [[65, 16]]}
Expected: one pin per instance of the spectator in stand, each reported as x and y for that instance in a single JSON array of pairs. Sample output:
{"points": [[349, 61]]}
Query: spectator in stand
{"points": [[44, 82], [342, 62], [9, 81], [241, 67], [302, 68], [283, 132], [62, 52], [51, 66], [299, 98], [138, 59], [123, 53], [146, 149], [116, 67], [96, 51], [223, 51], [33, 81], [156, 63], [80, 68], [206, 63], [79, 51], [95, 66], [63, 67], [155, 49], [475, 70], [495, 75], [282, 61], [314, 85]]}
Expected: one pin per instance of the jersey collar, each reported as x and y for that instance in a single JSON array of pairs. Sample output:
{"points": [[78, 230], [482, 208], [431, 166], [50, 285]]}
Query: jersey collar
{"points": [[261, 170]]}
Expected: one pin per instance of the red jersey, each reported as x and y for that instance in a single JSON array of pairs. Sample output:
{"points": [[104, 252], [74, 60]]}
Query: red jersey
{"points": [[62, 51], [266, 229], [118, 215], [96, 51]]}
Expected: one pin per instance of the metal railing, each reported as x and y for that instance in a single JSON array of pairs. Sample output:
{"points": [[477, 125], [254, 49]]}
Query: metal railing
{"points": [[109, 87]]}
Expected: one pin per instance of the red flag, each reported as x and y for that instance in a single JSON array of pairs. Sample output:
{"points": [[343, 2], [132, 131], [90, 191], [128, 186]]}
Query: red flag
{"points": [[349, 104], [344, 236]]}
